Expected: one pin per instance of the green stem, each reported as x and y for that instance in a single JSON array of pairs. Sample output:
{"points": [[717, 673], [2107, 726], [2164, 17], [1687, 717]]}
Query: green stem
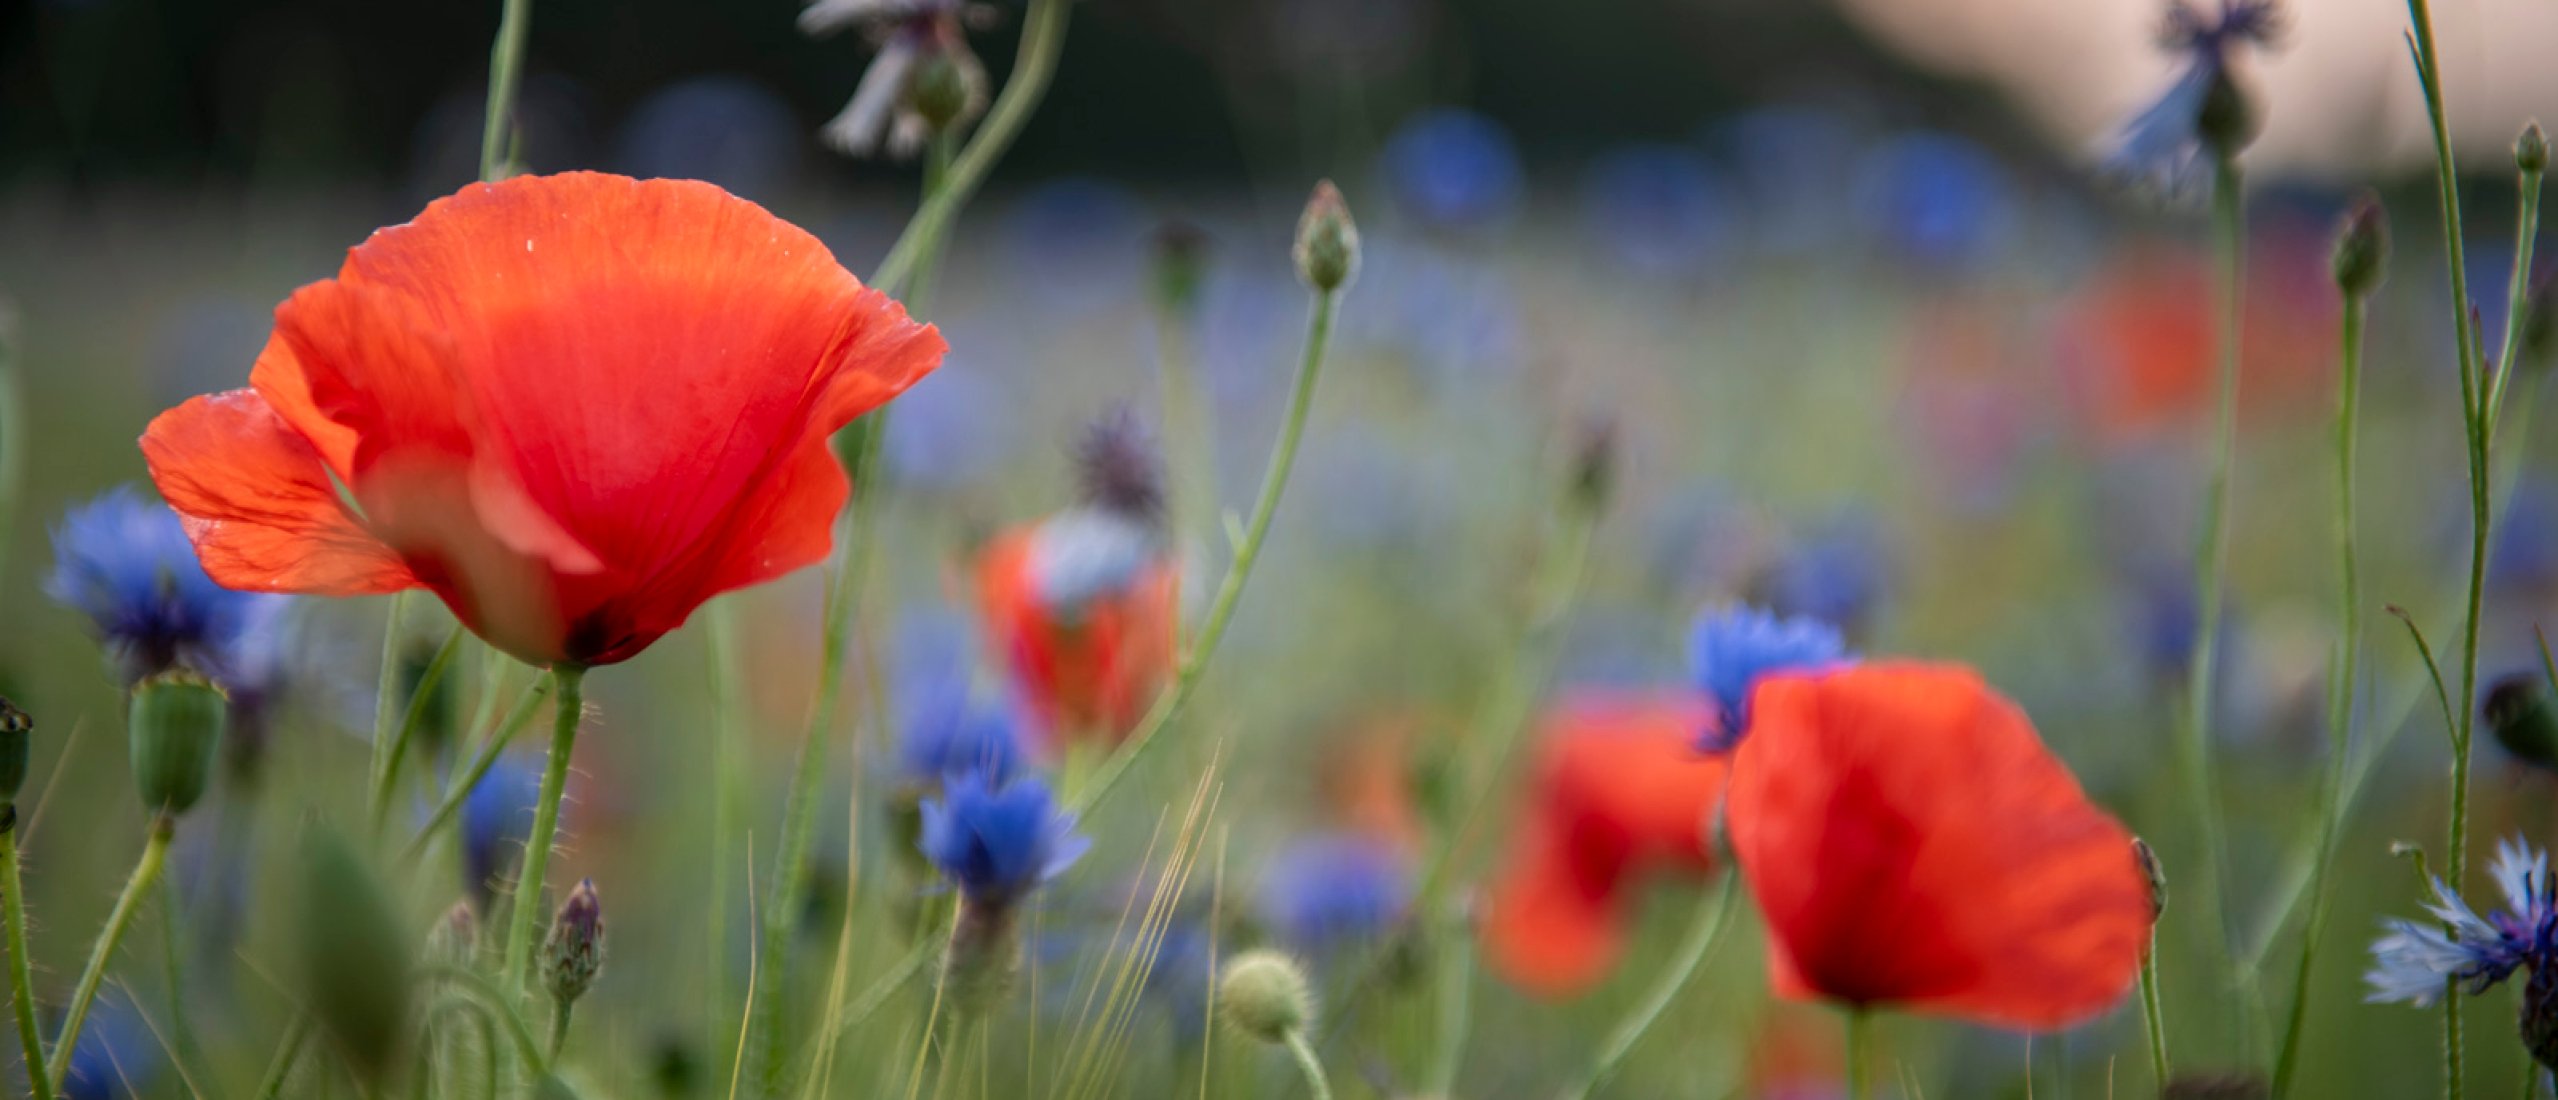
{"points": [[1860, 1037], [1456, 1009], [2341, 693], [21, 990], [1043, 37], [1221, 610], [386, 694], [2211, 560], [559, 1028], [146, 871], [1712, 918], [287, 1053], [520, 716], [1308, 1064], [478, 987], [728, 729], [387, 774], [569, 682], [2153, 1021], [2517, 291], [506, 69]]}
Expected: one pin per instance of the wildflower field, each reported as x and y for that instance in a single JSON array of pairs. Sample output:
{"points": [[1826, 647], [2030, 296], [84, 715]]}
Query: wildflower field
{"points": [[1351, 583]]}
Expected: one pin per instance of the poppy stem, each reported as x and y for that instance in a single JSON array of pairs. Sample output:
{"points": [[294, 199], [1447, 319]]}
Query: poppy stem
{"points": [[2341, 694], [506, 70], [1860, 1034], [1712, 918], [1221, 610], [21, 992], [569, 707], [146, 871], [728, 729], [1308, 1064]]}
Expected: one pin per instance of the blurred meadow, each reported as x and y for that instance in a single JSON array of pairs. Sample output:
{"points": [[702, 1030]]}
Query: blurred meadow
{"points": [[1830, 309]]}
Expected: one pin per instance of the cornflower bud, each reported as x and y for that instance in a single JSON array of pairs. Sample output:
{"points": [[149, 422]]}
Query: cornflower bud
{"points": [[2531, 150], [574, 952], [177, 719], [17, 734], [2362, 247], [1264, 995], [1327, 249], [455, 939], [2147, 858], [2518, 713], [1181, 262]]}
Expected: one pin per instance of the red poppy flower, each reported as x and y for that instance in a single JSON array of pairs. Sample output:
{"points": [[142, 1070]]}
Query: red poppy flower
{"points": [[1621, 793], [573, 406], [1087, 666], [1911, 842]]}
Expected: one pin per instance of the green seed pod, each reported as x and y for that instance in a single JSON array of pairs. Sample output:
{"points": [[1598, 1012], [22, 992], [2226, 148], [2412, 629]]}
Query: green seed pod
{"points": [[573, 954], [1327, 249], [17, 738], [2518, 713], [1264, 995], [356, 958], [177, 722]]}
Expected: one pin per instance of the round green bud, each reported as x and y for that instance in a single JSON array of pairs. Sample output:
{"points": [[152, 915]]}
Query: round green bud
{"points": [[177, 720], [2228, 121], [1327, 249], [2531, 150], [17, 738], [945, 90], [1263, 994]]}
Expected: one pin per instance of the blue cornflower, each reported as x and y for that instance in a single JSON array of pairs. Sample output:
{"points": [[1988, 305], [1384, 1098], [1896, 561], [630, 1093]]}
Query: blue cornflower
{"points": [[1837, 575], [2413, 960], [1658, 209], [997, 843], [1732, 648], [947, 730], [1453, 169], [124, 561], [496, 817], [1334, 889], [2162, 147]]}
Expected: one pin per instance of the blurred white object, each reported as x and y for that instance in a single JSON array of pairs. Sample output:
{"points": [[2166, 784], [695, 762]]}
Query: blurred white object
{"points": [[2338, 95]]}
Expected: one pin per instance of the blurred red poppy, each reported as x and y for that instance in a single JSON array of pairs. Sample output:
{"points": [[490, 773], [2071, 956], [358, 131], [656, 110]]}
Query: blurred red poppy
{"points": [[1087, 666], [1911, 843], [1621, 793], [573, 406]]}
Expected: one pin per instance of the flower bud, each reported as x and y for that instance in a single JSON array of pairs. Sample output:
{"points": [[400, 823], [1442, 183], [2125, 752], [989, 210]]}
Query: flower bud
{"points": [[2147, 859], [2362, 247], [177, 722], [984, 956], [1263, 994], [455, 939], [2518, 713], [17, 737], [2531, 150], [574, 952], [1594, 464], [2229, 120], [947, 90], [1181, 263], [355, 964], [2538, 1016], [1327, 248]]}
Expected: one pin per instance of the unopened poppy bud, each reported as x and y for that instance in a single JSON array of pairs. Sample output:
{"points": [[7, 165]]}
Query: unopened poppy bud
{"points": [[455, 939], [2216, 1086], [2531, 150], [1327, 248], [2228, 120], [2147, 858], [2362, 247], [2517, 711], [2538, 1016], [1264, 994], [177, 722], [1181, 264], [574, 952], [355, 965], [17, 736], [984, 956]]}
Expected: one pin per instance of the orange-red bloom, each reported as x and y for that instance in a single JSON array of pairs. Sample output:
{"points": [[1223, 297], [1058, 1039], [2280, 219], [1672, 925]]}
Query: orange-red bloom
{"points": [[1910, 842], [1089, 666], [573, 406], [1621, 793]]}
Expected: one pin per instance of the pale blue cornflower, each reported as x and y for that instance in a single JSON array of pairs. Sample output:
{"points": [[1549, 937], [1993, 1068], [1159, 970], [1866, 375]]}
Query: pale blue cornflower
{"points": [[1731, 649], [1334, 890], [2414, 961], [946, 729], [125, 562], [2162, 148], [910, 34], [1113, 540]]}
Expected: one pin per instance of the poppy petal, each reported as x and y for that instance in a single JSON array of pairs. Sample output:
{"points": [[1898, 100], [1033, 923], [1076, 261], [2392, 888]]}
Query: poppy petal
{"points": [[258, 502]]}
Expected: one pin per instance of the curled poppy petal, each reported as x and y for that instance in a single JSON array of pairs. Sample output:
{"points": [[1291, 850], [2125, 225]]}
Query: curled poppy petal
{"points": [[574, 406], [1621, 794], [258, 504], [1911, 842]]}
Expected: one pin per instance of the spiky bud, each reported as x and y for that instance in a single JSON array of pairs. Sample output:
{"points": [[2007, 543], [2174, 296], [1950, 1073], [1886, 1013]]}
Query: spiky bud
{"points": [[2518, 713], [1327, 249], [455, 939], [17, 740], [177, 720], [2146, 858], [2531, 150], [984, 957], [2362, 247], [574, 951], [1264, 995], [355, 957]]}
